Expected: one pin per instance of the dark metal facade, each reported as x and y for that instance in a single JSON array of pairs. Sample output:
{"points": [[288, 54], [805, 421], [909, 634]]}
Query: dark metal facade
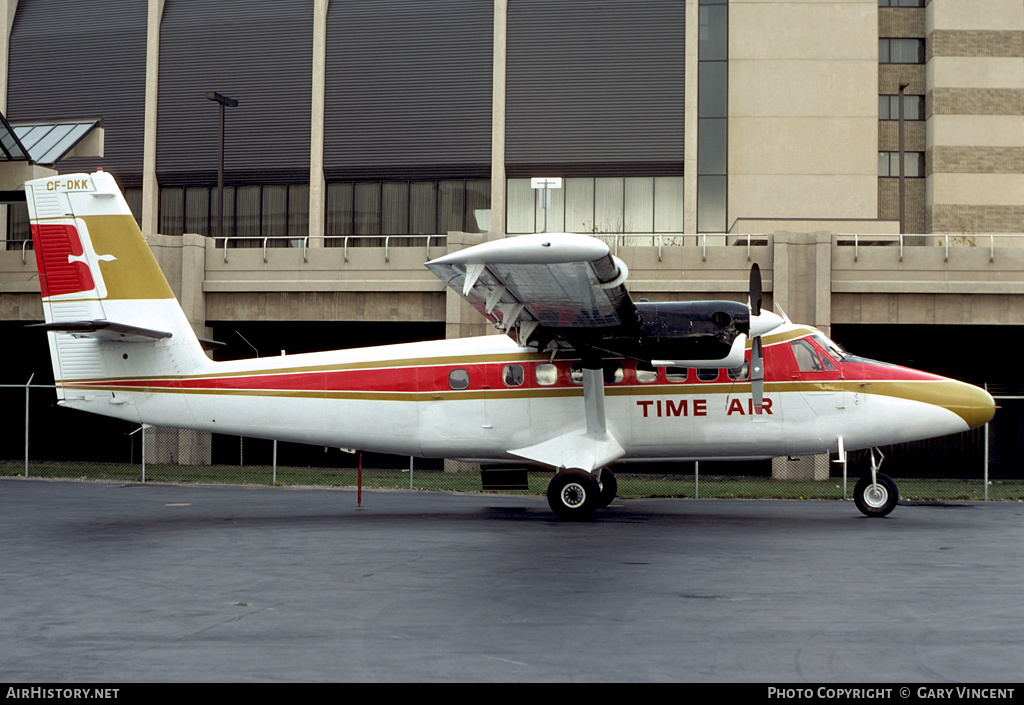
{"points": [[83, 61], [260, 53], [408, 89], [595, 88]]}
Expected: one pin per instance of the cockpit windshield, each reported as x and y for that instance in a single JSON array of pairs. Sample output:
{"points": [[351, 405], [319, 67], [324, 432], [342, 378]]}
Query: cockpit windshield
{"points": [[834, 349], [841, 354]]}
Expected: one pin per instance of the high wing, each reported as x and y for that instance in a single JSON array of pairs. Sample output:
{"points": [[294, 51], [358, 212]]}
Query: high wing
{"points": [[568, 291], [549, 281]]}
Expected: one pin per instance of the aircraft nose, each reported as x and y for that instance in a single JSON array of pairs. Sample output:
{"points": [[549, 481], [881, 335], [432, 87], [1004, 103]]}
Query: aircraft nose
{"points": [[982, 407], [972, 404]]}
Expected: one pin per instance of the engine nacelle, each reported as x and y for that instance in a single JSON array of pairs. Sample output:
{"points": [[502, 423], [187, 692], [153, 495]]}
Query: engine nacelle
{"points": [[694, 333]]}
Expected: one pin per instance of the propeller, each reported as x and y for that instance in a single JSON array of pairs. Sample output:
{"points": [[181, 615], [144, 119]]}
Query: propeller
{"points": [[760, 323], [755, 290]]}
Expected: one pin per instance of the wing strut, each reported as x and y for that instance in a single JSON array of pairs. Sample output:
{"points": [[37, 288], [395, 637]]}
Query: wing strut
{"points": [[593, 394], [591, 448]]}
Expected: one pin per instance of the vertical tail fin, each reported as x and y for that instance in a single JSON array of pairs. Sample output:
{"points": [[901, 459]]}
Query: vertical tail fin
{"points": [[103, 292]]}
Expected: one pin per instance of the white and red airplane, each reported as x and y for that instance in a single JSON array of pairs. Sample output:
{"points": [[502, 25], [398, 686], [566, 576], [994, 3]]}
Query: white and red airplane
{"points": [[585, 377]]}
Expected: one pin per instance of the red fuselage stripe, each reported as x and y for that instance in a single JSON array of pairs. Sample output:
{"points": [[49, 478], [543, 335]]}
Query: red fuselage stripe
{"points": [[490, 375]]}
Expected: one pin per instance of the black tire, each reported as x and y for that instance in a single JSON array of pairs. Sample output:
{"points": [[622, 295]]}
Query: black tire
{"points": [[609, 488], [574, 495], [876, 500]]}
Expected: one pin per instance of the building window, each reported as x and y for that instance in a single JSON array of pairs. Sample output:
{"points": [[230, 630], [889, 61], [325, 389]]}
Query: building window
{"points": [[901, 3], [599, 206], [17, 225], [889, 107], [712, 116], [254, 211], [913, 164], [901, 51], [428, 207]]}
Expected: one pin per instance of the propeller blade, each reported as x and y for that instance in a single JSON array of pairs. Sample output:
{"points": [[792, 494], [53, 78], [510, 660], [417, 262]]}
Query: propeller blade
{"points": [[755, 289], [757, 374]]}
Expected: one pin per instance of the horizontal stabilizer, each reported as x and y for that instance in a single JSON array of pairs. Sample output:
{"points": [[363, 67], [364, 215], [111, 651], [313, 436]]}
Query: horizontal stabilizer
{"points": [[106, 330]]}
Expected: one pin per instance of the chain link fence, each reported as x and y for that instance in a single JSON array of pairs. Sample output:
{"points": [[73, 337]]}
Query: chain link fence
{"points": [[40, 439]]}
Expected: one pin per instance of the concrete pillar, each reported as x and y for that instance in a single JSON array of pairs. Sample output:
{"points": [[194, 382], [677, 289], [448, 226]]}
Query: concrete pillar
{"points": [[193, 274], [7, 10], [183, 262], [317, 183], [802, 287], [802, 277], [498, 119], [150, 187], [461, 319]]}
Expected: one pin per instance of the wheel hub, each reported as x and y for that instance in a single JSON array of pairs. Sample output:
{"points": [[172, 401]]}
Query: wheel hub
{"points": [[573, 495], [875, 496]]}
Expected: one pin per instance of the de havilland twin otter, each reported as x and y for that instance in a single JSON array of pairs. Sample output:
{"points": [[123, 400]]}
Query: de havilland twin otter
{"points": [[585, 376]]}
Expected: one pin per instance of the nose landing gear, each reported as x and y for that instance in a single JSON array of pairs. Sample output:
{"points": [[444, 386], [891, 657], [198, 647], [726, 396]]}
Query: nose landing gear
{"points": [[875, 494]]}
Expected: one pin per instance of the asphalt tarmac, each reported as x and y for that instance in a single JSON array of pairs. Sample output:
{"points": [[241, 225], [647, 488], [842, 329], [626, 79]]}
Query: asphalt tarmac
{"points": [[118, 583]]}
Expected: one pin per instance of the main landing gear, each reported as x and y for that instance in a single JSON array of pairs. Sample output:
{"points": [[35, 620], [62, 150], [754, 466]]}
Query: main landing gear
{"points": [[875, 494], [574, 495]]}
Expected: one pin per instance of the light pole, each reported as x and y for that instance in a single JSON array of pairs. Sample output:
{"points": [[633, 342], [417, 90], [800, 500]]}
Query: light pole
{"points": [[223, 100]]}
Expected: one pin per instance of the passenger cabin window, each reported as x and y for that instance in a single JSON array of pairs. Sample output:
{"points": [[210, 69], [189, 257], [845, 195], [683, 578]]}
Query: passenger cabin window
{"points": [[806, 357], [676, 374], [546, 374], [513, 375], [645, 373], [613, 373], [738, 373], [458, 379], [707, 374]]}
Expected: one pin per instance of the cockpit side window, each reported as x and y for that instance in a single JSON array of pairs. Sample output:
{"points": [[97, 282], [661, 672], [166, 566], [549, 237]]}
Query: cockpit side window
{"points": [[806, 358]]}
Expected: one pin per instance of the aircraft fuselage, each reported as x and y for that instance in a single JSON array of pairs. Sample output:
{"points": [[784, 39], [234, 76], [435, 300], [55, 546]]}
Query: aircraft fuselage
{"points": [[477, 398]]}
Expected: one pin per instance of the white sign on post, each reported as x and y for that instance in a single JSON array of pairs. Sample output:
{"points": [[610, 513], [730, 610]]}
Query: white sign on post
{"points": [[546, 183]]}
